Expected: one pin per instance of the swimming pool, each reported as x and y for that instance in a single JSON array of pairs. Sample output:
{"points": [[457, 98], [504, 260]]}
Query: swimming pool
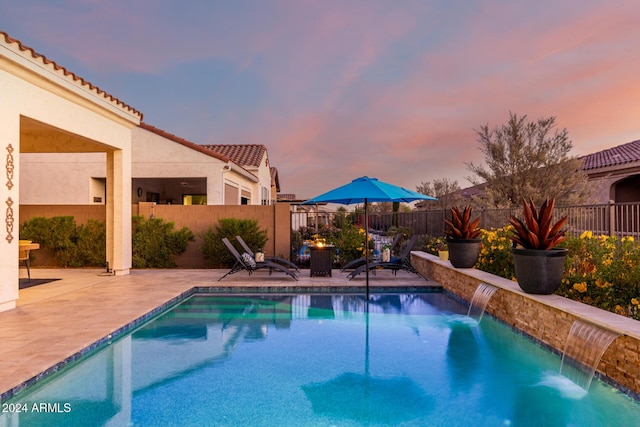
{"points": [[400, 359]]}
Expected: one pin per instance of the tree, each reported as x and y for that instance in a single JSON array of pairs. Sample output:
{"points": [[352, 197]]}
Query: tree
{"points": [[446, 191], [527, 160]]}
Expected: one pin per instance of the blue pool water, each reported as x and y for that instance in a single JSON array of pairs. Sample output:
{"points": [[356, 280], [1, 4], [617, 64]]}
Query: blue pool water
{"points": [[318, 360]]}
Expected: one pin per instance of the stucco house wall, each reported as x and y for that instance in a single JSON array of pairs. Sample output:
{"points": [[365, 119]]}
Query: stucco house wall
{"points": [[156, 156], [264, 178], [61, 178]]}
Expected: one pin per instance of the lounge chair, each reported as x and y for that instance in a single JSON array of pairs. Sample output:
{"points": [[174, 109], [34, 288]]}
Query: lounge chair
{"points": [[248, 263], [275, 259], [360, 261], [397, 263]]}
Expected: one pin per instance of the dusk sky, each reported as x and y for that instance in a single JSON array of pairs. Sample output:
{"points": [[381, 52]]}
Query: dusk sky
{"points": [[340, 89]]}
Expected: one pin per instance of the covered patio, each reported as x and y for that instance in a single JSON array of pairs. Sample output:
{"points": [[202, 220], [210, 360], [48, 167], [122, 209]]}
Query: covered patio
{"points": [[52, 110]]}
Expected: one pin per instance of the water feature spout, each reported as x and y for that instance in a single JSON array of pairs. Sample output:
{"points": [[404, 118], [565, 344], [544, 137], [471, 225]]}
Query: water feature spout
{"points": [[585, 345], [480, 300]]}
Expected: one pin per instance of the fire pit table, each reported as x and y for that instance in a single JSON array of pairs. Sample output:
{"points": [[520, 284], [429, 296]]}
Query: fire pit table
{"points": [[321, 260]]}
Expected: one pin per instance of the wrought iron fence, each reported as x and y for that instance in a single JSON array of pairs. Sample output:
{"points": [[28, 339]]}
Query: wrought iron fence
{"points": [[615, 219]]}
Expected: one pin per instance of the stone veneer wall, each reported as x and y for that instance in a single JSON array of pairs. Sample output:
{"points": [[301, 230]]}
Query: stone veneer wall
{"points": [[546, 318]]}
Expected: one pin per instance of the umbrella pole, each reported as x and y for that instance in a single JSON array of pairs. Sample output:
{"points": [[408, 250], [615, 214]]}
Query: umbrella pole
{"points": [[366, 245], [366, 348]]}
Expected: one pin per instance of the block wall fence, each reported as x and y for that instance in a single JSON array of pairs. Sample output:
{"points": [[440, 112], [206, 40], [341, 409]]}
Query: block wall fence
{"points": [[198, 218], [545, 318]]}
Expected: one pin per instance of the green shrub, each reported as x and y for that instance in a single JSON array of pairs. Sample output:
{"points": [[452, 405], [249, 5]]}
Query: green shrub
{"points": [[91, 244], [154, 243], [216, 253], [56, 233], [71, 245], [349, 241]]}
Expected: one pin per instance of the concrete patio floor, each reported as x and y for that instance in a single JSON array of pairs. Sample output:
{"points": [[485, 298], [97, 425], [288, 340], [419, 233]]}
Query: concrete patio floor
{"points": [[59, 320]]}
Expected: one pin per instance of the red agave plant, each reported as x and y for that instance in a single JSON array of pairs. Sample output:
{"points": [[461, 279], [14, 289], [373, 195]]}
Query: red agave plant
{"points": [[461, 226], [536, 231]]}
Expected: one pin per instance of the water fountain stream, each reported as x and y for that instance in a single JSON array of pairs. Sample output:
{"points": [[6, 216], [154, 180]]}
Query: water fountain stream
{"points": [[585, 345], [480, 300]]}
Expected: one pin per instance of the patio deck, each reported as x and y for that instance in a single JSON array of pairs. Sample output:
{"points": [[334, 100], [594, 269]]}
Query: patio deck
{"points": [[57, 320]]}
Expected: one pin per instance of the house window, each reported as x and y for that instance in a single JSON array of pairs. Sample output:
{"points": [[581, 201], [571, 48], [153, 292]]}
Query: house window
{"points": [[231, 195], [153, 197], [245, 197], [194, 199]]}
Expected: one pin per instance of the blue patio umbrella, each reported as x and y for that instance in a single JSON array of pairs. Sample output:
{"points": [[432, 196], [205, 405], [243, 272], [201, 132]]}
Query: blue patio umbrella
{"points": [[366, 190]]}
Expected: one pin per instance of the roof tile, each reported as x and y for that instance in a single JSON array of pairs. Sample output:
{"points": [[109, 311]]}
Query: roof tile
{"points": [[621, 154], [242, 154]]}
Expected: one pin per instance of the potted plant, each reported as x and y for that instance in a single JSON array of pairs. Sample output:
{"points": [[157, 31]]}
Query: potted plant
{"points": [[443, 250], [462, 237], [539, 264], [386, 253]]}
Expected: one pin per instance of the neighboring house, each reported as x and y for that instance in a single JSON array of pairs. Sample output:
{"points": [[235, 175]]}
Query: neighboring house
{"points": [[172, 170], [614, 173], [254, 158], [165, 169]]}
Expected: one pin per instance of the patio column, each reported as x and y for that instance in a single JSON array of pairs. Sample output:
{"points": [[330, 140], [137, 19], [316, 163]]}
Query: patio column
{"points": [[118, 212], [9, 206]]}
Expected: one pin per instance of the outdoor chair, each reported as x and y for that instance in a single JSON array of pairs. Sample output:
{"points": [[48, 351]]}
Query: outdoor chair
{"points": [[402, 262], [246, 262], [23, 256], [275, 259], [361, 261]]}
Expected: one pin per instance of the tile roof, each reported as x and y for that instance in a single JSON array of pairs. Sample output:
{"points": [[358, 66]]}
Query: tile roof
{"points": [[66, 73], [184, 142], [242, 154], [621, 154], [286, 196]]}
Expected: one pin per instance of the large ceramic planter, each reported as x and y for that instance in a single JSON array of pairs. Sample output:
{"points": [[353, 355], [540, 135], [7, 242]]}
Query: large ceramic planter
{"points": [[463, 253], [539, 271]]}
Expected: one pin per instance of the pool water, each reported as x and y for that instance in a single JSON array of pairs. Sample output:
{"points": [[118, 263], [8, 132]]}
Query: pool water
{"points": [[319, 360]]}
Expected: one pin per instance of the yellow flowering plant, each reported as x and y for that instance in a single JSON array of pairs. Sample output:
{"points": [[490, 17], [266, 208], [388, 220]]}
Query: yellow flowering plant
{"points": [[495, 255], [603, 271], [436, 244]]}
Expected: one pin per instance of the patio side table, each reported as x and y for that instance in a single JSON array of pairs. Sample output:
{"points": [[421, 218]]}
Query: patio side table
{"points": [[321, 260]]}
